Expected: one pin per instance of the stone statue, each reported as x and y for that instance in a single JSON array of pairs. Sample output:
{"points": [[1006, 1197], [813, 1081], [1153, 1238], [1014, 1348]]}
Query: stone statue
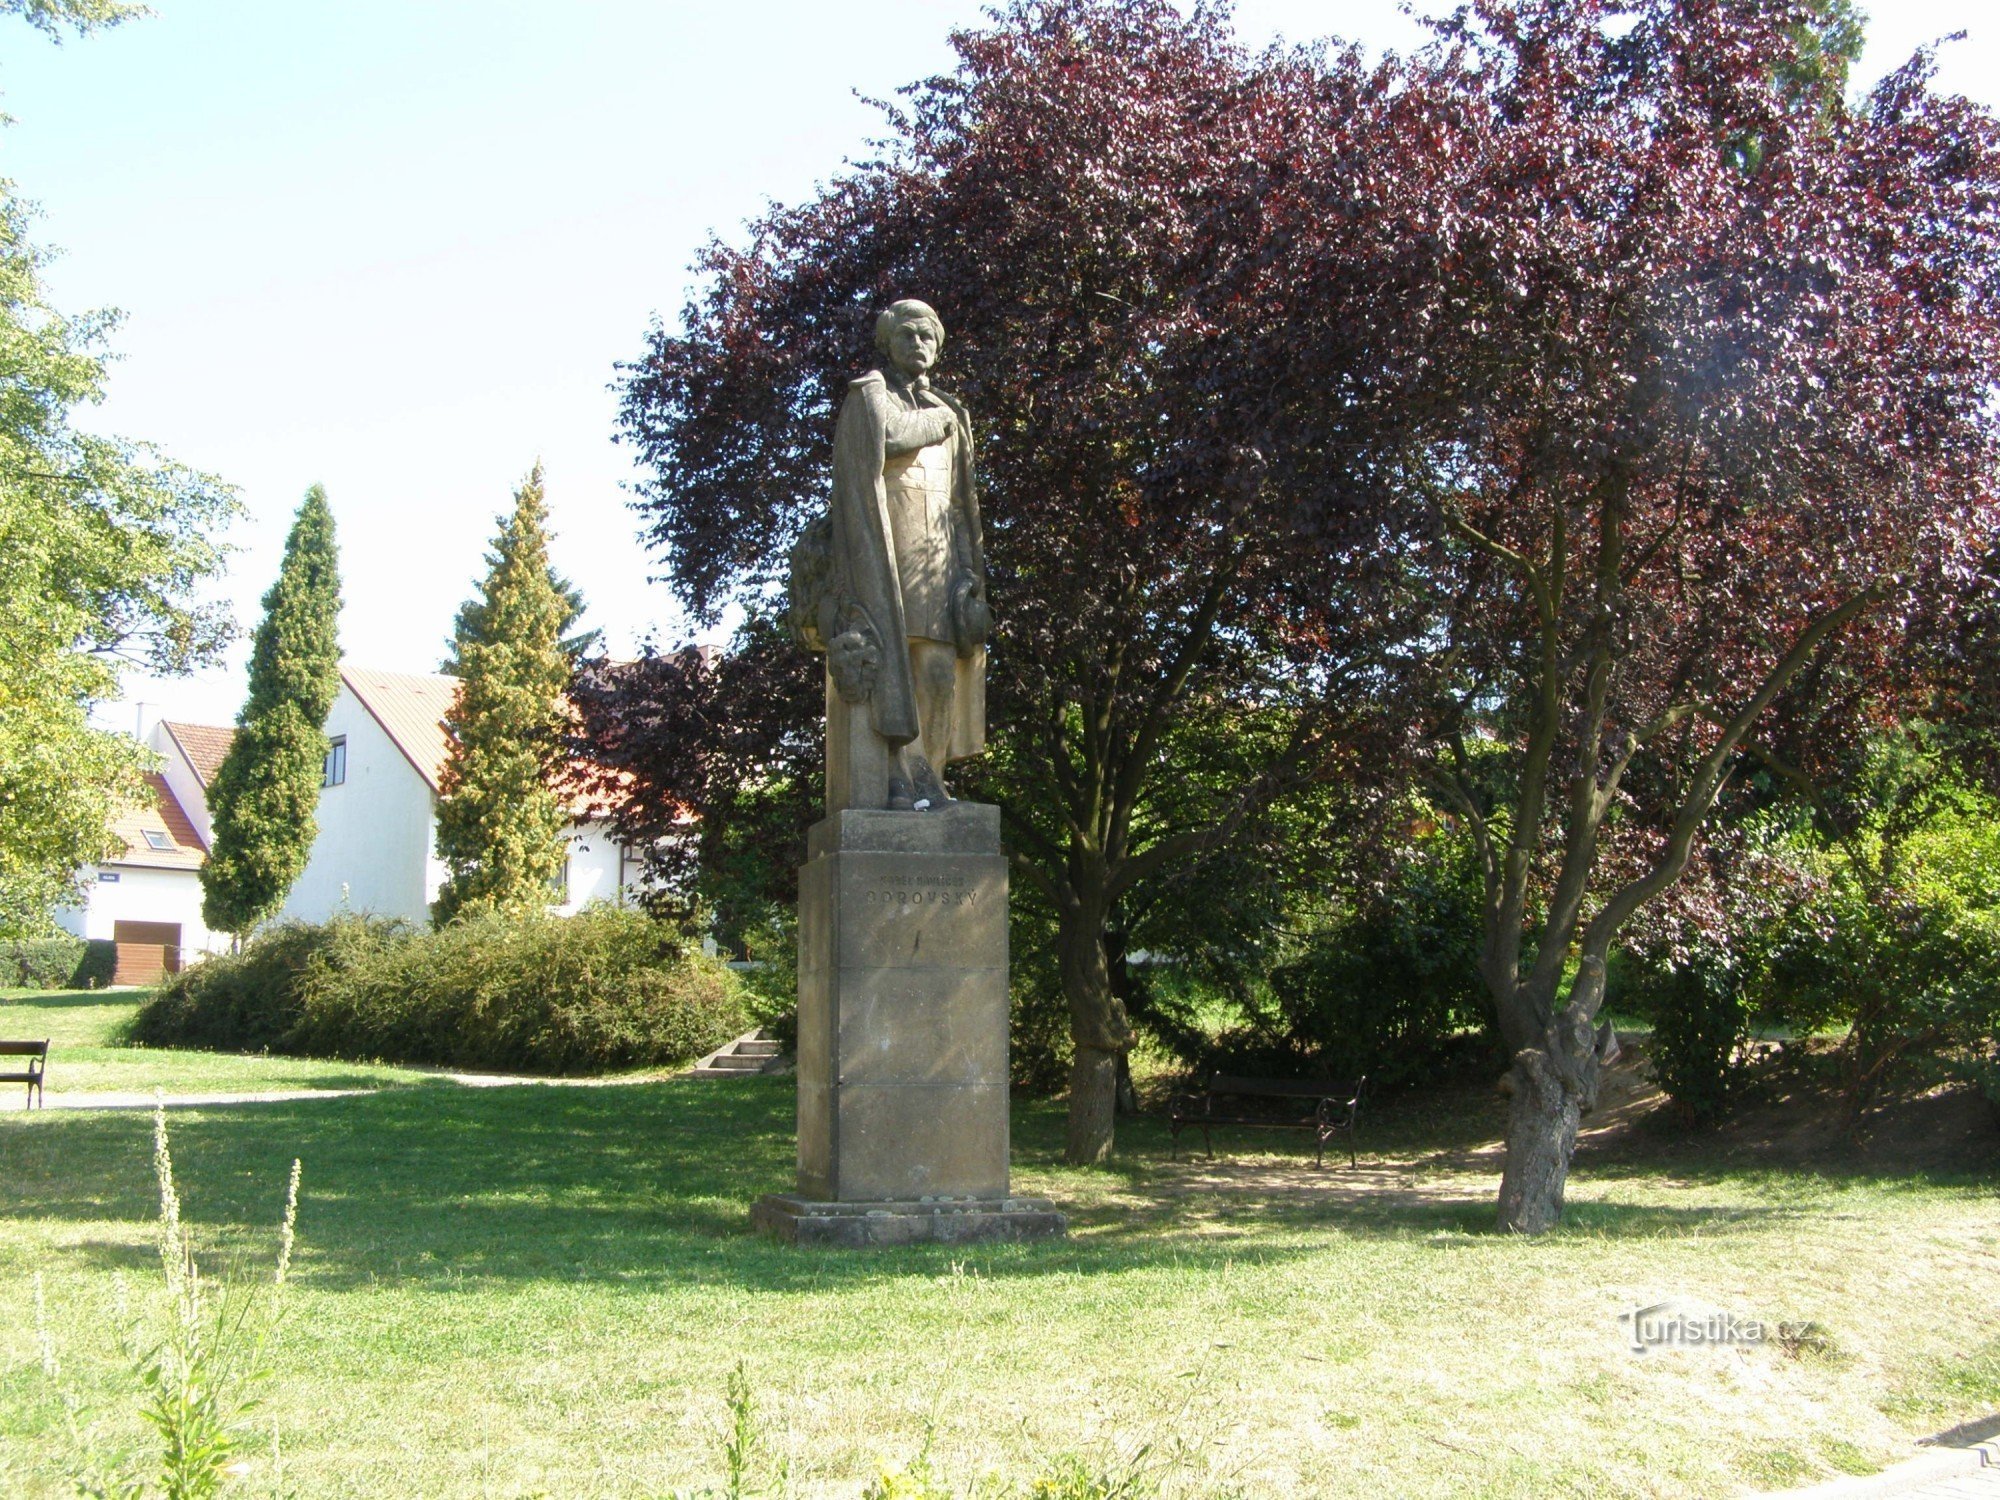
{"points": [[903, 997], [891, 583]]}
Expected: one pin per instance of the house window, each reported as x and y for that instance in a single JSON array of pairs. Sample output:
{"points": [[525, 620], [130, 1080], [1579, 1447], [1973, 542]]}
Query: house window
{"points": [[157, 839], [336, 762]]}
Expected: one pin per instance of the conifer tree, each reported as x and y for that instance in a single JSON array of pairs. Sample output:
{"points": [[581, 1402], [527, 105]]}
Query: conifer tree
{"points": [[267, 788], [500, 824]]}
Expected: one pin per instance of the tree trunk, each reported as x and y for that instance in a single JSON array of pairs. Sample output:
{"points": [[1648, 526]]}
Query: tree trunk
{"points": [[1541, 1134], [1093, 1095], [1128, 1095], [1098, 1027], [1554, 1084]]}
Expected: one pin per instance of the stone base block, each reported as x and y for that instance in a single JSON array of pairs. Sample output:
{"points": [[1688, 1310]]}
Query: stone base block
{"points": [[945, 1221]]}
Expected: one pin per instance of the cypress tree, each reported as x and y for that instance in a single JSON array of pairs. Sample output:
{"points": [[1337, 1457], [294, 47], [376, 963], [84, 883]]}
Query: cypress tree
{"points": [[500, 824], [267, 788]]}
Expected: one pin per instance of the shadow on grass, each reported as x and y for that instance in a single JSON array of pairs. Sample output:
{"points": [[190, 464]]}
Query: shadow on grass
{"points": [[650, 1184], [66, 1000], [63, 1066]]}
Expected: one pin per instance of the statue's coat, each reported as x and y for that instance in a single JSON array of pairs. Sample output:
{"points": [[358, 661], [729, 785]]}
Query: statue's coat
{"points": [[865, 578]]}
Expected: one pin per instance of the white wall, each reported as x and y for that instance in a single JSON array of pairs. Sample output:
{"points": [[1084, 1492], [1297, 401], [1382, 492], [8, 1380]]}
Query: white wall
{"points": [[187, 788], [377, 845], [143, 895], [374, 849], [597, 872]]}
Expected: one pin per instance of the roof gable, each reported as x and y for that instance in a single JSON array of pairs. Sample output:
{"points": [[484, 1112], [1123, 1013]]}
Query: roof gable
{"points": [[203, 746], [410, 707]]}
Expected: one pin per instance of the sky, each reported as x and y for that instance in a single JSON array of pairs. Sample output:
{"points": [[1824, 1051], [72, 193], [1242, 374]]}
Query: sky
{"points": [[398, 248]]}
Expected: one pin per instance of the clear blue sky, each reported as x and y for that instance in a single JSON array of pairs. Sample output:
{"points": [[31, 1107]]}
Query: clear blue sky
{"points": [[397, 247]]}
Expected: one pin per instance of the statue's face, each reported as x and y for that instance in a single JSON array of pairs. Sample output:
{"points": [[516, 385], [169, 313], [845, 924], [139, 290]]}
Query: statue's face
{"points": [[914, 346]]}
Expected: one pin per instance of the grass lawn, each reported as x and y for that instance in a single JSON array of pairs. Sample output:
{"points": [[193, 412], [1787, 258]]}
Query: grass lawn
{"points": [[523, 1291], [84, 1028]]}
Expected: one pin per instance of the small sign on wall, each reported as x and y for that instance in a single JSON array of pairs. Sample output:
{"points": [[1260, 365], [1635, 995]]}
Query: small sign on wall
{"points": [[107, 877]]}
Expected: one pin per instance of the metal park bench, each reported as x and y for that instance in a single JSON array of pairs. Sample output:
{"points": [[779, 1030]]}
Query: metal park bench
{"points": [[1271, 1104], [37, 1054]]}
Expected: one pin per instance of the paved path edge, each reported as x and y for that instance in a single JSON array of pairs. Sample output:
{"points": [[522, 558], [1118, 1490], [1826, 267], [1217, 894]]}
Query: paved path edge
{"points": [[1907, 1478]]}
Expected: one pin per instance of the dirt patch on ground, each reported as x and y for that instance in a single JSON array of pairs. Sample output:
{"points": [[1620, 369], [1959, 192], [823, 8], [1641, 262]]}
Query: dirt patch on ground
{"points": [[1446, 1145], [1791, 1117]]}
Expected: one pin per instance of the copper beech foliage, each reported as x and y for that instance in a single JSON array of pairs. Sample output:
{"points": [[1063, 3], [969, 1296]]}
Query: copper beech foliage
{"points": [[1069, 199], [1710, 367], [1557, 414]]}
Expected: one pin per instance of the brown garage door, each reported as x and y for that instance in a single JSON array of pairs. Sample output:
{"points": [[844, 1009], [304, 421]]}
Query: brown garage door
{"points": [[147, 951]]}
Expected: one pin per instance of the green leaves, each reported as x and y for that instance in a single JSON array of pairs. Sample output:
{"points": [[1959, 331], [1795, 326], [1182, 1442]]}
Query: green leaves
{"points": [[500, 823], [103, 544]]}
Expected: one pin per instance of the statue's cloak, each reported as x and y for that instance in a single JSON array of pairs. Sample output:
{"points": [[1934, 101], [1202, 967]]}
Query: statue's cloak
{"points": [[865, 581]]}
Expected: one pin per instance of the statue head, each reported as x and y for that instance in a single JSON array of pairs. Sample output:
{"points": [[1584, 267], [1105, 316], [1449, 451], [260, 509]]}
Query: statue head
{"points": [[911, 335]]}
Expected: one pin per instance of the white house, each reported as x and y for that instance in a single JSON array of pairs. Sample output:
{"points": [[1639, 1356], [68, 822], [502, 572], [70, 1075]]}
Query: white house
{"points": [[377, 846], [147, 897]]}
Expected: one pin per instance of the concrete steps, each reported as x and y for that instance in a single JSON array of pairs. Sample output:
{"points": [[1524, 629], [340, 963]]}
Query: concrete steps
{"points": [[753, 1053]]}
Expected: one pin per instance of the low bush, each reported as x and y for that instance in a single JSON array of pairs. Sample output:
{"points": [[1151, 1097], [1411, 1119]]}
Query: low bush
{"points": [[1900, 947], [1701, 1020], [1987, 1072], [1388, 987], [603, 989], [60, 962], [253, 1001], [771, 982]]}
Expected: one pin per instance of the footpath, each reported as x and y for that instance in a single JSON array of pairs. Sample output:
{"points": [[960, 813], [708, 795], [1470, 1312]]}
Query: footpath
{"points": [[1964, 1464]]}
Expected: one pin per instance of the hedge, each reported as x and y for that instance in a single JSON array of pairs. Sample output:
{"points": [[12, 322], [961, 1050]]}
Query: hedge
{"points": [[602, 989], [57, 963]]}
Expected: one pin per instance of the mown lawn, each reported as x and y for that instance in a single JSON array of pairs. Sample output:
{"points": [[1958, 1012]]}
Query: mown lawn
{"points": [[522, 1291], [84, 1029]]}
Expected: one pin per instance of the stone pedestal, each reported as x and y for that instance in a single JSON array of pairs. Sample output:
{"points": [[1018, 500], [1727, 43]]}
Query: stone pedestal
{"points": [[902, 1053]]}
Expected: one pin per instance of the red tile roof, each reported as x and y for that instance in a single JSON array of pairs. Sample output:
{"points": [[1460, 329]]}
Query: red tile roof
{"points": [[164, 815], [204, 745]]}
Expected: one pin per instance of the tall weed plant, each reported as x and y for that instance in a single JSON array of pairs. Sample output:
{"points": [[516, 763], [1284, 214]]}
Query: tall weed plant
{"points": [[200, 1373]]}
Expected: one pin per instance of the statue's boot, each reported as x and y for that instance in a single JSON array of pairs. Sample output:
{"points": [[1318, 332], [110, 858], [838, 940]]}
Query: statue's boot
{"points": [[929, 785]]}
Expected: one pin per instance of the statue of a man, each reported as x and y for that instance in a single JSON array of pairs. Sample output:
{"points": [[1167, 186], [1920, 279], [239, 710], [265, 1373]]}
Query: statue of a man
{"points": [[892, 585]]}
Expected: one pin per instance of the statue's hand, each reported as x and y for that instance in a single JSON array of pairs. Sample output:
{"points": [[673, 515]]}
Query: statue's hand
{"points": [[971, 618], [944, 423]]}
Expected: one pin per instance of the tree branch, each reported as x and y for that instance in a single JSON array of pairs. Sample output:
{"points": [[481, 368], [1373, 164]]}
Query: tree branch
{"points": [[1709, 777]]}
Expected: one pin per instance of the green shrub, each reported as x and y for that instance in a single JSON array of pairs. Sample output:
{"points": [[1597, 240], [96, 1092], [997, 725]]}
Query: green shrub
{"points": [[1987, 1073], [98, 964], [1700, 1019], [771, 984], [59, 962], [1388, 988], [603, 989], [251, 1001], [1901, 946]]}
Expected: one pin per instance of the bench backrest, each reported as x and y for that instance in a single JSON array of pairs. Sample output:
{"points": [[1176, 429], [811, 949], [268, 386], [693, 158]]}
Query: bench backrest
{"points": [[24, 1049], [1286, 1088]]}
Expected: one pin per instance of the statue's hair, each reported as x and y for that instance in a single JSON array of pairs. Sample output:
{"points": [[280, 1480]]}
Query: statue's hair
{"points": [[909, 310]]}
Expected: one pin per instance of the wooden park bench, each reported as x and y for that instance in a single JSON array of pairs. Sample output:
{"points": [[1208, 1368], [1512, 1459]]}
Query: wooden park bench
{"points": [[1272, 1104], [37, 1054]]}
